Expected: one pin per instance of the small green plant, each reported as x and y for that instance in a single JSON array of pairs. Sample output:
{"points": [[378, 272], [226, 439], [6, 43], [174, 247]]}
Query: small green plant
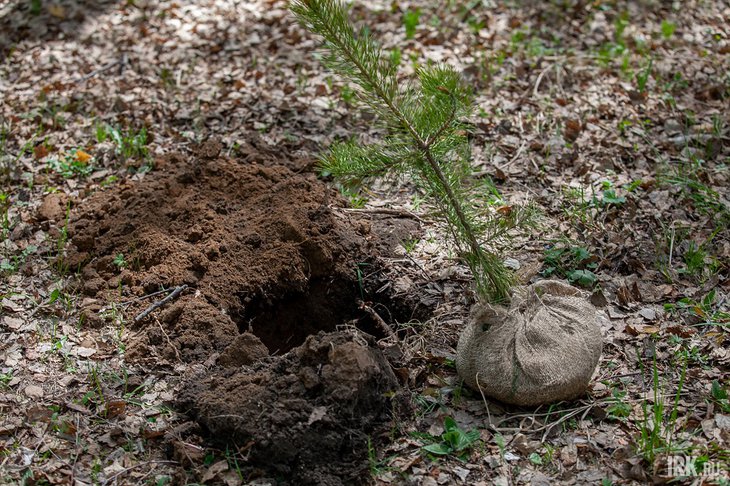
{"points": [[5, 379], [572, 262], [708, 311], [76, 163], [61, 265], [409, 245], [657, 429], [454, 441], [642, 77], [689, 174], [395, 56], [668, 28], [130, 143], [119, 261], [4, 214], [377, 466], [13, 262], [35, 7], [535, 459], [718, 394], [348, 95], [410, 21], [610, 197], [619, 408], [425, 138]]}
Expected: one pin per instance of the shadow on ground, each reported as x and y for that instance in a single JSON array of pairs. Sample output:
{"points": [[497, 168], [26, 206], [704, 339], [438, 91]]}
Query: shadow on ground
{"points": [[38, 20]]}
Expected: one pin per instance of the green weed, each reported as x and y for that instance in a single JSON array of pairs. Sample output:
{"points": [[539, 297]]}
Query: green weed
{"points": [[119, 261], [618, 409], [11, 263], [718, 394], [5, 204], [707, 312], [572, 262], [348, 95], [71, 165], [61, 265], [410, 245], [410, 21], [668, 28], [642, 77], [5, 379], [454, 441], [689, 175], [130, 143], [656, 431]]}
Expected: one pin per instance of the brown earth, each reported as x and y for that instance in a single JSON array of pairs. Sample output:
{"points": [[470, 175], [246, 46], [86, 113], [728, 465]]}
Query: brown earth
{"points": [[306, 416], [268, 260], [256, 243]]}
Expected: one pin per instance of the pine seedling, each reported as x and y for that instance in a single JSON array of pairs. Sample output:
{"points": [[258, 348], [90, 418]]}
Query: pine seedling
{"points": [[425, 138]]}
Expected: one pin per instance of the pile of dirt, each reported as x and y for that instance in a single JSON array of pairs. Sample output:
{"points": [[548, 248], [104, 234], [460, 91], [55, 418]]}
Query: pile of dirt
{"points": [[306, 416], [268, 264], [257, 244]]}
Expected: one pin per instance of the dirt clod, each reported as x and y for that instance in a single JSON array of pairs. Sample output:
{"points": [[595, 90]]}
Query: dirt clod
{"points": [[245, 349], [53, 207], [307, 414]]}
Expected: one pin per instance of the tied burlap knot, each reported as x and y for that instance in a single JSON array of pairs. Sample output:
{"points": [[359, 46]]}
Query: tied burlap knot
{"points": [[543, 349]]}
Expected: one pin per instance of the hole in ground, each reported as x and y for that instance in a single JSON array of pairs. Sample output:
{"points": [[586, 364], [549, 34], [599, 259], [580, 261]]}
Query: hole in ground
{"points": [[284, 321]]}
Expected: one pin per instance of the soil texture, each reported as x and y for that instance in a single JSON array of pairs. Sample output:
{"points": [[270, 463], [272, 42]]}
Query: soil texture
{"points": [[258, 245], [305, 416], [267, 263]]}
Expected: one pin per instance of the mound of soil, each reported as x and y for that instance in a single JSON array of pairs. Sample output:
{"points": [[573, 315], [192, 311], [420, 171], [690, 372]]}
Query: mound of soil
{"points": [[257, 244], [268, 264], [306, 416]]}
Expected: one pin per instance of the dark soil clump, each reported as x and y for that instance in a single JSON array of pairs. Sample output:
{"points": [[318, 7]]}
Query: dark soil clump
{"points": [[306, 416]]}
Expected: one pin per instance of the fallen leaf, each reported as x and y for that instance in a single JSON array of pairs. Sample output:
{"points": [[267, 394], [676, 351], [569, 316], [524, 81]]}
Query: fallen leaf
{"points": [[33, 391], [82, 156], [114, 408], [57, 11], [40, 151]]}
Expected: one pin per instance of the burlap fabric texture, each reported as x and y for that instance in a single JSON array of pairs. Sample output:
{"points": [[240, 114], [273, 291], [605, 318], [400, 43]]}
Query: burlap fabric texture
{"points": [[543, 349]]}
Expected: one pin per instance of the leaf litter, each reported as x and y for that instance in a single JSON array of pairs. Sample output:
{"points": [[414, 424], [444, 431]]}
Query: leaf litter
{"points": [[614, 127]]}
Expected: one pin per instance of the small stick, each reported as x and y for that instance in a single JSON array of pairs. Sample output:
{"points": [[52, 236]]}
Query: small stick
{"points": [[169, 341], [145, 297], [392, 212], [160, 303], [121, 61], [378, 320]]}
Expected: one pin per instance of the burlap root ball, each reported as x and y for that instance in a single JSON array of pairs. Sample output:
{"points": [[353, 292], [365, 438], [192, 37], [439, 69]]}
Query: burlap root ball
{"points": [[543, 349]]}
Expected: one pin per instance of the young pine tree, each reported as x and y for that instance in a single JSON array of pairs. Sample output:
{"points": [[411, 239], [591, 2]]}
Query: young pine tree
{"points": [[425, 138]]}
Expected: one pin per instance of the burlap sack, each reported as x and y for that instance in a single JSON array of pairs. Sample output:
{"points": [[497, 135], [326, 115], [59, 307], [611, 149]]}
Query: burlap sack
{"points": [[543, 349]]}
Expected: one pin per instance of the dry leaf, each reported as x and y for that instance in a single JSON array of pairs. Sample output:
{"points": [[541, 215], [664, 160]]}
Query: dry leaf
{"points": [[82, 156], [57, 11]]}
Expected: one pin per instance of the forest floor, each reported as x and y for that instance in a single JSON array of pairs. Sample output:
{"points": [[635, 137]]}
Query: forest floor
{"points": [[168, 246]]}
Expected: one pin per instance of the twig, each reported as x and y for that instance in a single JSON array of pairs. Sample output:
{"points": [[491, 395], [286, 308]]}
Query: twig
{"points": [[160, 303], [139, 464], [169, 341], [393, 212], [535, 90], [145, 297], [121, 62], [378, 320]]}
